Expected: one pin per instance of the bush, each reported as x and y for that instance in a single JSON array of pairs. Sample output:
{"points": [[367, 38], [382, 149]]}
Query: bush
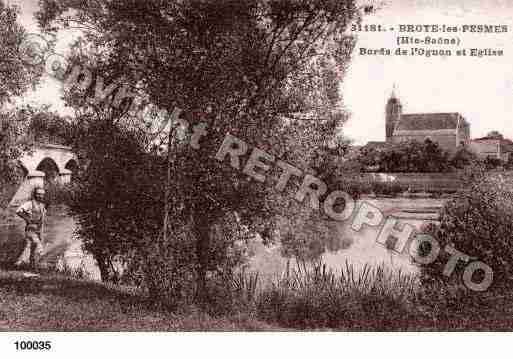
{"points": [[492, 163], [58, 194], [407, 156], [463, 158], [9, 184], [371, 299], [11, 148], [478, 223], [165, 270]]}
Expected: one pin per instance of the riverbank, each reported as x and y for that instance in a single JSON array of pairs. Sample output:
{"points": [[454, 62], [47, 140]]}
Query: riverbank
{"points": [[54, 302], [57, 303], [62, 249]]}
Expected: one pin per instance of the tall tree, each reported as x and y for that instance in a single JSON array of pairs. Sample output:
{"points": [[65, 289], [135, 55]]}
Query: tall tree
{"points": [[15, 77], [16, 74], [234, 65]]}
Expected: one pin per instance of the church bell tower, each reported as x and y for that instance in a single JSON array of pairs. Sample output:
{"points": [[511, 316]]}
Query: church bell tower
{"points": [[393, 115]]}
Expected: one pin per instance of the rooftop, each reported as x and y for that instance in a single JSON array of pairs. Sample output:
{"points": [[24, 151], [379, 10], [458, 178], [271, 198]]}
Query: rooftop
{"points": [[429, 121]]}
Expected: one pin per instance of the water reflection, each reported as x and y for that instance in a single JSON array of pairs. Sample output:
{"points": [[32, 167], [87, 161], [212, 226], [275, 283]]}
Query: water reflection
{"points": [[358, 248], [61, 249]]}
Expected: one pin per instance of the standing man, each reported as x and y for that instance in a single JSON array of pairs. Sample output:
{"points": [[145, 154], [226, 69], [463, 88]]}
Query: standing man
{"points": [[33, 213]]}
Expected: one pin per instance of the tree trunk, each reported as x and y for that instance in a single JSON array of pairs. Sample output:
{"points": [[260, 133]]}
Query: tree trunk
{"points": [[202, 230], [104, 267], [170, 168]]}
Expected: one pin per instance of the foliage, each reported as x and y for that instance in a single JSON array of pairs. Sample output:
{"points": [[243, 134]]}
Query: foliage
{"points": [[463, 158], [47, 126], [20, 129], [233, 65], [92, 306], [15, 75], [413, 156], [12, 146], [495, 135], [407, 156], [509, 164], [305, 236], [113, 201], [368, 299], [492, 162], [58, 303], [478, 223], [57, 194], [117, 200]]}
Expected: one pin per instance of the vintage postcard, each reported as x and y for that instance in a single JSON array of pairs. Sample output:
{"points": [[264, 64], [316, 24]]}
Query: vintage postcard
{"points": [[254, 166]]}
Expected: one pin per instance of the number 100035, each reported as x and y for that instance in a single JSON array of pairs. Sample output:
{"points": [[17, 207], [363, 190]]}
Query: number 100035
{"points": [[33, 345]]}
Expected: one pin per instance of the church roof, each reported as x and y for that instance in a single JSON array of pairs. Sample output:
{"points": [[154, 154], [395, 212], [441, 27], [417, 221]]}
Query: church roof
{"points": [[428, 121]]}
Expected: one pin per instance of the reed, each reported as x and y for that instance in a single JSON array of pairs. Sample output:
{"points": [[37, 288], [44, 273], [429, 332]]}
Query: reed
{"points": [[315, 296]]}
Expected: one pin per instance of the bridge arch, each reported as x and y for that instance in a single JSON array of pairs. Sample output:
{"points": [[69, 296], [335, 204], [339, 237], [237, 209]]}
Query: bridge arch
{"points": [[51, 170], [72, 166], [46, 163]]}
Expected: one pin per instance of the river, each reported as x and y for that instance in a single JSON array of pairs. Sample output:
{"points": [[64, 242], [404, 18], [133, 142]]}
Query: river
{"points": [[360, 247], [63, 249]]}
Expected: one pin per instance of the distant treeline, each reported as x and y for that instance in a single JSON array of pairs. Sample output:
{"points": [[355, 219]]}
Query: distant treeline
{"points": [[423, 157]]}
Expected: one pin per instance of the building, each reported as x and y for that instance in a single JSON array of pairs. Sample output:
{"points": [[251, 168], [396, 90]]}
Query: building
{"points": [[449, 130], [494, 145]]}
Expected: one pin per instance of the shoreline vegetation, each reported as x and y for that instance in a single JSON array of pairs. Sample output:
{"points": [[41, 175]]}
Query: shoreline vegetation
{"points": [[373, 299], [168, 215], [308, 297]]}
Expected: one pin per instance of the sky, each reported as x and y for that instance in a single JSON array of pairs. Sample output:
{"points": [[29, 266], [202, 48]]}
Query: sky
{"points": [[49, 89], [481, 89]]}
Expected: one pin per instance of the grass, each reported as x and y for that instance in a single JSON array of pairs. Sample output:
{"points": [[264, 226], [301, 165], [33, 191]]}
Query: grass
{"points": [[72, 272], [304, 298], [318, 297], [376, 299], [56, 303]]}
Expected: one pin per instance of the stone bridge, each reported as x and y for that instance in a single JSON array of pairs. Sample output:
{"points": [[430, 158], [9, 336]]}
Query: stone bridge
{"points": [[45, 163]]}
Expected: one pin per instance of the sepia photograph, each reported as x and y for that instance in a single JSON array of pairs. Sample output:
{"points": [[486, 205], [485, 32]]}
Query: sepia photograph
{"points": [[242, 166]]}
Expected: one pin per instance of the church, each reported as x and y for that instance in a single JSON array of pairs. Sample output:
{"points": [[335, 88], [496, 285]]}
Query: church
{"points": [[449, 130]]}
